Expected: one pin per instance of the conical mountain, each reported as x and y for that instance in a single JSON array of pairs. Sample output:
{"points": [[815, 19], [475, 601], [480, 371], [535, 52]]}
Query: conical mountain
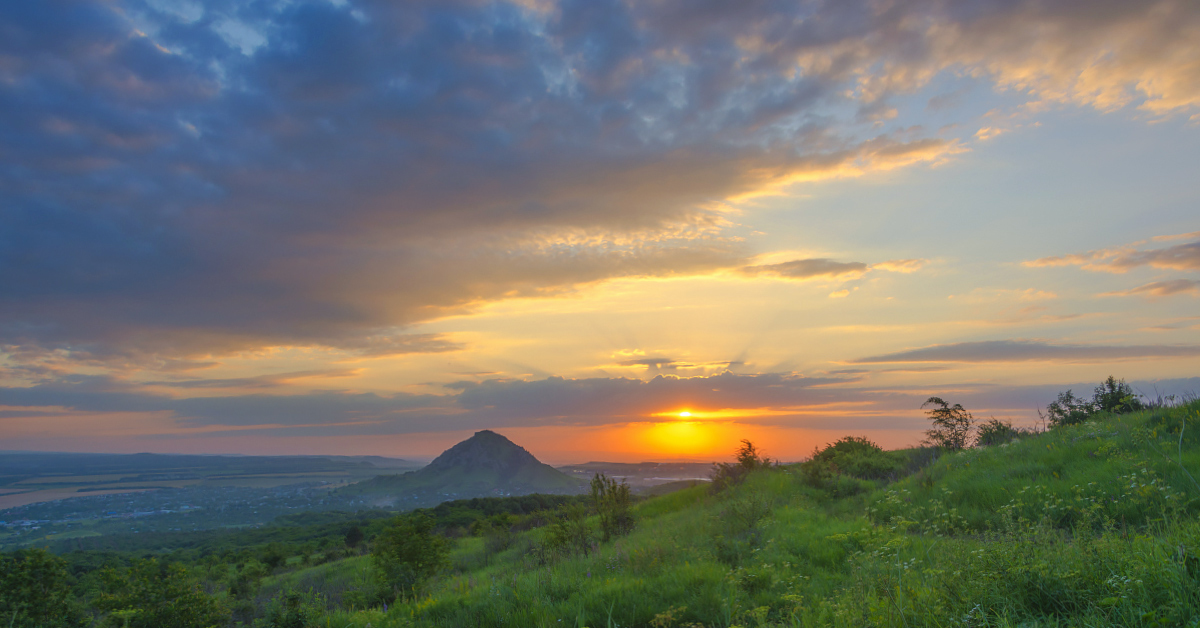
{"points": [[485, 465], [485, 450]]}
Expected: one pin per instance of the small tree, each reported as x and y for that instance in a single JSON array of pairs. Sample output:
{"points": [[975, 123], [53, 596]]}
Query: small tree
{"points": [[951, 425], [354, 536], [614, 505], [407, 553], [1069, 410], [1116, 396]]}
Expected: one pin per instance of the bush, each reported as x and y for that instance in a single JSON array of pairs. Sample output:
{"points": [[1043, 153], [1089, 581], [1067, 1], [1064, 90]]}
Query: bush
{"points": [[997, 432], [1116, 396], [354, 536], [497, 532], [274, 556], [407, 553], [293, 609], [1112, 395], [726, 474], [614, 505], [569, 533], [855, 456]]}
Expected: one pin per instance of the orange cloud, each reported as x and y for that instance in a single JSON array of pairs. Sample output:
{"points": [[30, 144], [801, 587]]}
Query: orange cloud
{"points": [[1159, 289], [1124, 258]]}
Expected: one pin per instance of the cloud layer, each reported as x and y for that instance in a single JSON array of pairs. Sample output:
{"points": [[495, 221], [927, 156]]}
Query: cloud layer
{"points": [[181, 181]]}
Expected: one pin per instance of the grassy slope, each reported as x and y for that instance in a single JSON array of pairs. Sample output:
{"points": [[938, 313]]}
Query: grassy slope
{"points": [[1092, 525]]}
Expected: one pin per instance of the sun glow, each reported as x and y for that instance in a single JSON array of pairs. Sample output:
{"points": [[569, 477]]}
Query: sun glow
{"points": [[680, 438]]}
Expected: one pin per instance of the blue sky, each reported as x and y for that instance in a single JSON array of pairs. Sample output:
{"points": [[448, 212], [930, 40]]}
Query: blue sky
{"points": [[338, 227]]}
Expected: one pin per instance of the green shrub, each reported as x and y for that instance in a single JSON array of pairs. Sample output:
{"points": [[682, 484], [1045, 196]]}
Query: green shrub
{"points": [[1112, 396], [497, 532], [996, 432], [614, 505], [407, 553], [569, 534], [855, 456], [293, 609]]}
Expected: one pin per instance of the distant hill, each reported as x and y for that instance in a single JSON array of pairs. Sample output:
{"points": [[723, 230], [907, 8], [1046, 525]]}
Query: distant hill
{"points": [[485, 465]]}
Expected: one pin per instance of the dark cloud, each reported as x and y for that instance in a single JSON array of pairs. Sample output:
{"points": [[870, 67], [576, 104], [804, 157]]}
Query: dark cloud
{"points": [[190, 181], [1030, 350], [104, 394]]}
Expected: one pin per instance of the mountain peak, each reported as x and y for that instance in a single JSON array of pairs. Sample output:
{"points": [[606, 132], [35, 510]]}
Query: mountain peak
{"points": [[485, 450], [486, 464]]}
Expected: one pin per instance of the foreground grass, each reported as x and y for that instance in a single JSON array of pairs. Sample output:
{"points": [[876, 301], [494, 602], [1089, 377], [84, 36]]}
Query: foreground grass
{"points": [[1092, 525]]}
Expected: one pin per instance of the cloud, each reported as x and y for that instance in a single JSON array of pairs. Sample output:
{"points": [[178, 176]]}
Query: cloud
{"points": [[275, 380], [1008, 295], [1030, 350], [809, 269], [185, 183], [1185, 257], [668, 365], [901, 265], [1160, 289], [377, 346], [815, 268]]}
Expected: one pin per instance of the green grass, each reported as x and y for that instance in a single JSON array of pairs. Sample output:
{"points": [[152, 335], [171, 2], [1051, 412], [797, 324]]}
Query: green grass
{"points": [[1091, 525]]}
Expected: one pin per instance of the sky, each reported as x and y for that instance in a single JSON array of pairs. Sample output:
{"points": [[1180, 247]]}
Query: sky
{"points": [[608, 230]]}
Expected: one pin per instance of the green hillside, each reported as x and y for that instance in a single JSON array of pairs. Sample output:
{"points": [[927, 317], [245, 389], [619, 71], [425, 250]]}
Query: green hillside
{"points": [[1086, 525], [1091, 524]]}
